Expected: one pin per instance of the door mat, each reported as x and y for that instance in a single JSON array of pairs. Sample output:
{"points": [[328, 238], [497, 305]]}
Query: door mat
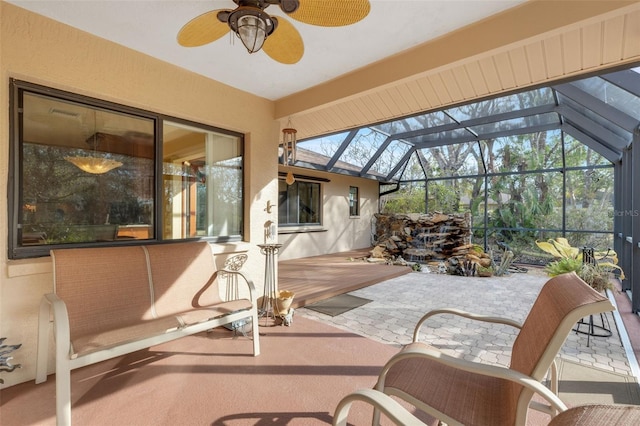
{"points": [[338, 304], [580, 384]]}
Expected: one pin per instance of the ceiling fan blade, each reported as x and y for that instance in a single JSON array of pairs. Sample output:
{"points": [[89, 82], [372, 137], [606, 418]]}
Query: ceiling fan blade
{"points": [[202, 30], [331, 13], [285, 44]]}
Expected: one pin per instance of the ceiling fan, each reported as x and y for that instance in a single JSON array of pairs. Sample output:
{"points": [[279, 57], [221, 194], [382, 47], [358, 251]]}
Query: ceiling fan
{"points": [[257, 29]]}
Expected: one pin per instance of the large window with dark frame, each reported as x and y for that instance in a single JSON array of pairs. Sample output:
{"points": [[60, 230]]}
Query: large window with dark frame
{"points": [[299, 204], [85, 172]]}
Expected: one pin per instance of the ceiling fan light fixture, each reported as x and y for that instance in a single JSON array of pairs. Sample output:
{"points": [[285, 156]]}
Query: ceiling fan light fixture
{"points": [[251, 31], [252, 26]]}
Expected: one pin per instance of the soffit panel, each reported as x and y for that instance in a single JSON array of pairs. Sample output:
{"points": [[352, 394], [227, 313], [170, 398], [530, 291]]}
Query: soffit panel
{"points": [[520, 66], [479, 85], [428, 93], [591, 48], [553, 57], [489, 74], [631, 35], [572, 53], [613, 35], [505, 70], [412, 95], [535, 60]]}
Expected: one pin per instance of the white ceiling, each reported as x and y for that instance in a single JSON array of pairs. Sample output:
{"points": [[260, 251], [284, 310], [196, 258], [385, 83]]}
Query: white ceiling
{"points": [[150, 27]]}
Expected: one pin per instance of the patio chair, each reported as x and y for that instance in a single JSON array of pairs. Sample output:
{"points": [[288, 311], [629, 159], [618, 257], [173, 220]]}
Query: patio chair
{"points": [[457, 391]]}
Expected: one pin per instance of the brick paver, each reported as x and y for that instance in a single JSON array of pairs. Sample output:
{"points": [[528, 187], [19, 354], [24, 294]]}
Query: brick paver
{"points": [[397, 304]]}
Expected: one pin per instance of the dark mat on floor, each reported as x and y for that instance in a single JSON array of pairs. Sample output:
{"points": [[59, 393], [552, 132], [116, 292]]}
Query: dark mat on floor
{"points": [[338, 304], [580, 384]]}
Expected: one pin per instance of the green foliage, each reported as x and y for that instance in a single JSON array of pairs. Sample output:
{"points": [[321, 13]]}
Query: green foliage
{"points": [[562, 266], [409, 199], [443, 198], [526, 188], [597, 275]]}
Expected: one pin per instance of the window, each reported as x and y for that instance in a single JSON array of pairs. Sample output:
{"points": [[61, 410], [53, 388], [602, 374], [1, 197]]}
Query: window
{"points": [[354, 201], [202, 183], [86, 172], [299, 203]]}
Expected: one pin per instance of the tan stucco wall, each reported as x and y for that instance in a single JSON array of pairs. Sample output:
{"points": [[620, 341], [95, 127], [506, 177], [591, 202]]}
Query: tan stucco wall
{"points": [[340, 232]]}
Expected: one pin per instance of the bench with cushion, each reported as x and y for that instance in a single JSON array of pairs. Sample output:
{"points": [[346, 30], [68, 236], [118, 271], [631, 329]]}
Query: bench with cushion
{"points": [[115, 300]]}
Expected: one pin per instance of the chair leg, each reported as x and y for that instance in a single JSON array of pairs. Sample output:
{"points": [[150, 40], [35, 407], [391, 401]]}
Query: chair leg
{"points": [[255, 333], [63, 395], [43, 342]]}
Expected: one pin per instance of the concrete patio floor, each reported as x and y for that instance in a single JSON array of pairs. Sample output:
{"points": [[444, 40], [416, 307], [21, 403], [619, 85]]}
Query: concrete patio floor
{"points": [[305, 369]]}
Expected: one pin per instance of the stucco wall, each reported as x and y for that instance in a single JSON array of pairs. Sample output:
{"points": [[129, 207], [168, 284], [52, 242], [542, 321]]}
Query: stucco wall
{"points": [[340, 232]]}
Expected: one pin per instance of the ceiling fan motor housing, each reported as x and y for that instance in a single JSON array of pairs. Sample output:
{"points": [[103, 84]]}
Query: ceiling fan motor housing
{"points": [[234, 17], [287, 6]]}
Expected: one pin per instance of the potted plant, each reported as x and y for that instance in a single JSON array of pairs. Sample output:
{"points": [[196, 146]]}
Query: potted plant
{"points": [[569, 259]]}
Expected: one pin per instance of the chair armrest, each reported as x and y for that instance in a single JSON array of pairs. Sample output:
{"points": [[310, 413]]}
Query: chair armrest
{"points": [[484, 318], [474, 367], [397, 413], [253, 296], [51, 306], [61, 328]]}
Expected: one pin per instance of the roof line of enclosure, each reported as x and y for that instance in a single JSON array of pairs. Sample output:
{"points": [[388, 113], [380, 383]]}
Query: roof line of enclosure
{"points": [[597, 137]]}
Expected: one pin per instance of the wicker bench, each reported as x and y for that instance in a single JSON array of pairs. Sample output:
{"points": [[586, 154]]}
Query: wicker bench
{"points": [[112, 301]]}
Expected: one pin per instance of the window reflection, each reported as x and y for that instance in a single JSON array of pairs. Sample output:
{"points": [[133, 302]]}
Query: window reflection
{"points": [[64, 203], [202, 183], [86, 172]]}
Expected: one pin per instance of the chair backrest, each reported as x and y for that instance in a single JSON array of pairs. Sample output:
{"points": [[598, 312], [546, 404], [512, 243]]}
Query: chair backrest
{"points": [[183, 277], [84, 278], [562, 302]]}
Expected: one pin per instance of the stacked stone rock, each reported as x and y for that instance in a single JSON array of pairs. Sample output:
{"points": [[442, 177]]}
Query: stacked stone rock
{"points": [[426, 238]]}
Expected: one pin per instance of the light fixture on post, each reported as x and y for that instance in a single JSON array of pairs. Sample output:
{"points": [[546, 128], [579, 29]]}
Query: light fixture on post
{"points": [[251, 25], [289, 150], [95, 164]]}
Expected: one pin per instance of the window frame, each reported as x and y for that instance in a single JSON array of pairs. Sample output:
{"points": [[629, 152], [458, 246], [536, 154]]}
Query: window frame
{"points": [[299, 226], [17, 88], [354, 204]]}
